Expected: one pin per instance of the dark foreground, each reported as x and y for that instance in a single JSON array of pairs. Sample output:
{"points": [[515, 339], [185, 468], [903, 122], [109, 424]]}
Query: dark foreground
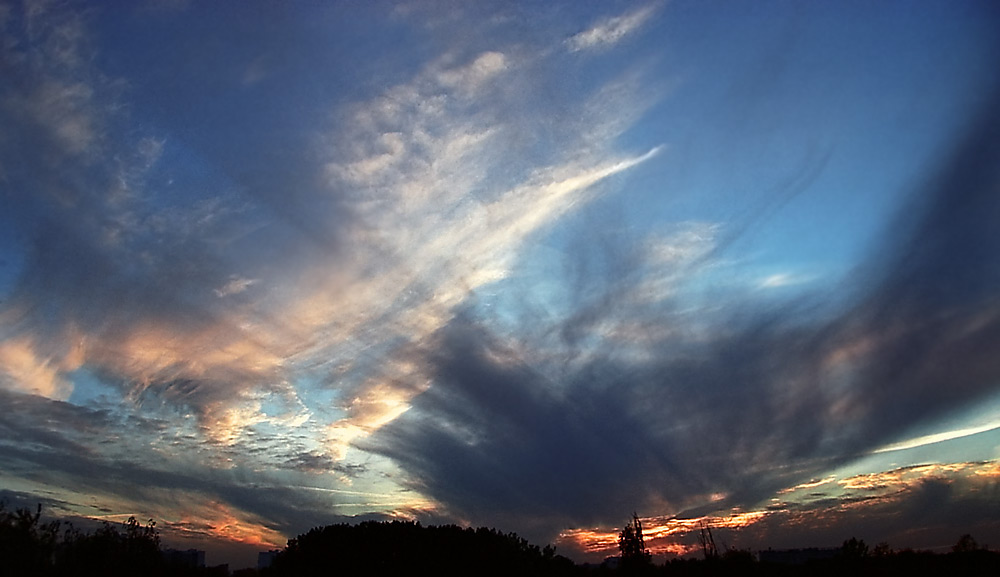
{"points": [[29, 546]]}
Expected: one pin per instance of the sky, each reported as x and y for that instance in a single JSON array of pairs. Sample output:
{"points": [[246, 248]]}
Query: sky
{"points": [[266, 266]]}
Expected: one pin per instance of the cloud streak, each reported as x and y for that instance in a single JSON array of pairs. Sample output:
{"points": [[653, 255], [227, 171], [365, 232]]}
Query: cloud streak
{"points": [[610, 31]]}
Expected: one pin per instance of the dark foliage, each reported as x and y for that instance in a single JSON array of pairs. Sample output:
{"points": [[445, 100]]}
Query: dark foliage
{"points": [[853, 558], [853, 550], [403, 547], [29, 546], [134, 548], [635, 558]]}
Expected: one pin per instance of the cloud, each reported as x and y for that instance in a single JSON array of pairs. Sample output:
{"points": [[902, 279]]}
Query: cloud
{"points": [[939, 437], [904, 506], [472, 77], [22, 370], [103, 463], [610, 31], [743, 402], [438, 229], [783, 279], [144, 264], [224, 298], [45, 89], [236, 285], [812, 484]]}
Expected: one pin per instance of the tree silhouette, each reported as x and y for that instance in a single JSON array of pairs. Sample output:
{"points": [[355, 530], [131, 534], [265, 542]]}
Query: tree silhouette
{"points": [[707, 540], [632, 546], [29, 546], [882, 550], [131, 549], [854, 549], [966, 544]]}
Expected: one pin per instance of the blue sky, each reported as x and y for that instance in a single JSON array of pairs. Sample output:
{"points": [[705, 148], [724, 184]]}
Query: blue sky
{"points": [[525, 265]]}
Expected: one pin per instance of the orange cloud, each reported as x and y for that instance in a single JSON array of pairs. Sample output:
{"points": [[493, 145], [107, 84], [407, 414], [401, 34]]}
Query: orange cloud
{"points": [[897, 479], [663, 535], [24, 369], [218, 521]]}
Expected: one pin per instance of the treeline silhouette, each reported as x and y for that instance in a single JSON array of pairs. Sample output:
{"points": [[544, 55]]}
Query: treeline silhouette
{"points": [[29, 546], [853, 558], [403, 547], [839, 564]]}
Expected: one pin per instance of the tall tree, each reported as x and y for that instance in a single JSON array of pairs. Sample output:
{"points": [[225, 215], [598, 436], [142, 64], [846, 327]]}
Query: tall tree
{"points": [[632, 546]]}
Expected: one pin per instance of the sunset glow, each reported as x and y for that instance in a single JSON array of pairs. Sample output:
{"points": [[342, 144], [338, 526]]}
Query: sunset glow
{"points": [[271, 266]]}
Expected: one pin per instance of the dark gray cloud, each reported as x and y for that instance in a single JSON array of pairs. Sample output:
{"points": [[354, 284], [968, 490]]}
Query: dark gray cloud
{"points": [[776, 396], [934, 298], [498, 442]]}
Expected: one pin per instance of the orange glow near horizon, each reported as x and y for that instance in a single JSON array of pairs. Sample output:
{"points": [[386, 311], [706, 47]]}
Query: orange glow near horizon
{"points": [[991, 469], [662, 534], [224, 524], [672, 536], [899, 478]]}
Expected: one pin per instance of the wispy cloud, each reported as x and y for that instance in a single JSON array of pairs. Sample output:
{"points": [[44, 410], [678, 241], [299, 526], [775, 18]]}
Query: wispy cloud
{"points": [[416, 197], [236, 285], [924, 440], [783, 279], [808, 485], [21, 369], [610, 31], [439, 228]]}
